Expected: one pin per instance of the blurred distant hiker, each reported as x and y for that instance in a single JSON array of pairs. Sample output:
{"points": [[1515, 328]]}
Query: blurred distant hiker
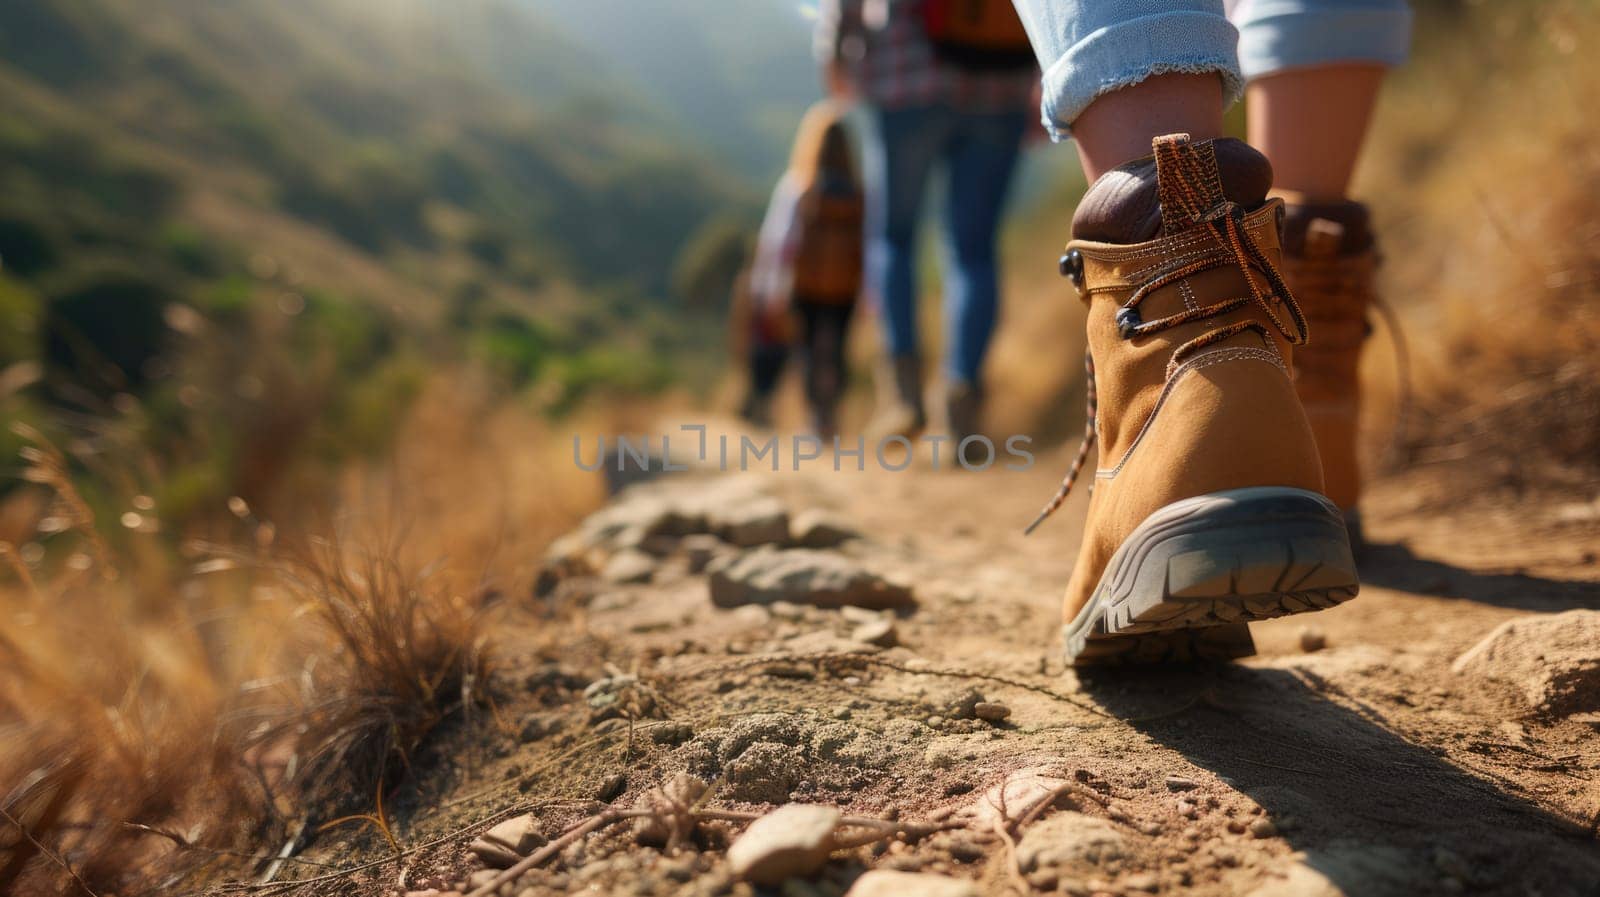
{"points": [[1211, 387], [762, 340], [807, 270], [946, 83]]}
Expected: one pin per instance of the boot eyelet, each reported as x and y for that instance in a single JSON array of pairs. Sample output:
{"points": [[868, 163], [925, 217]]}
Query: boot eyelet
{"points": [[1128, 321], [1071, 266]]}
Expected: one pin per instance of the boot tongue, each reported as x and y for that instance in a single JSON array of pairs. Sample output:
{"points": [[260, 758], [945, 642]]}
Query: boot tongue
{"points": [[1125, 204]]}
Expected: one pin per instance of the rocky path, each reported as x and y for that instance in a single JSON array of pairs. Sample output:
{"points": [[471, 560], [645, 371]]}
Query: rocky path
{"points": [[882, 645]]}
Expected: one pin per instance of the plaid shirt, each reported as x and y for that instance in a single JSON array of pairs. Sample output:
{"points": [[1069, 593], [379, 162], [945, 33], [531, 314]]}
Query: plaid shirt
{"points": [[893, 63]]}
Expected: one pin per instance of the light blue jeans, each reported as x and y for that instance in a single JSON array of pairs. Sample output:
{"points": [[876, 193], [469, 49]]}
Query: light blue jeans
{"points": [[978, 152], [1090, 47]]}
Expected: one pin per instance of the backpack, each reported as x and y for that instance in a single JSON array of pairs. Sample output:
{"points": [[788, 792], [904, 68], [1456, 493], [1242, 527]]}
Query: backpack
{"points": [[978, 34], [828, 262]]}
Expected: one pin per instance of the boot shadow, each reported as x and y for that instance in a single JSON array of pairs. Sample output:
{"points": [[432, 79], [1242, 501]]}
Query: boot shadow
{"points": [[1346, 787], [1397, 567]]}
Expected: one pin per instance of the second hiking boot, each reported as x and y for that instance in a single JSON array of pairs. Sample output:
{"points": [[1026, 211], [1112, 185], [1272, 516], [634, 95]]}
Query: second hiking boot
{"points": [[1330, 263], [1207, 508]]}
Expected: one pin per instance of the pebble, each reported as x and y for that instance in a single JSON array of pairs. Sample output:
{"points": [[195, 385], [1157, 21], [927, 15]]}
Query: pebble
{"points": [[793, 840], [1179, 783], [880, 632], [991, 711], [629, 566], [1263, 828], [1312, 639], [612, 787], [1143, 881], [1187, 809], [503, 845]]}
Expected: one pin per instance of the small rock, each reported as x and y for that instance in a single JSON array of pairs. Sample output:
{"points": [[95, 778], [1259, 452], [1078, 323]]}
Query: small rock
{"points": [[503, 845], [1070, 840], [1263, 828], [612, 787], [1150, 828], [629, 566], [1179, 783], [964, 704], [889, 883], [1020, 794], [860, 615], [880, 632], [991, 711], [752, 522], [1187, 809], [793, 840], [1143, 881], [786, 610], [815, 528], [1553, 658], [1312, 639], [819, 578]]}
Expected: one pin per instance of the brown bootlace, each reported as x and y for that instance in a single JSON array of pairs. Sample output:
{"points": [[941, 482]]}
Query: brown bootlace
{"points": [[1240, 249]]}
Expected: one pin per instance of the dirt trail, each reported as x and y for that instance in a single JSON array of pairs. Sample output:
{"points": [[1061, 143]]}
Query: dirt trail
{"points": [[1365, 766]]}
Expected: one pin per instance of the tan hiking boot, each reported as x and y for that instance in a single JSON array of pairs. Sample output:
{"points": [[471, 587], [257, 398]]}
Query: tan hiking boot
{"points": [[1329, 261], [1207, 509]]}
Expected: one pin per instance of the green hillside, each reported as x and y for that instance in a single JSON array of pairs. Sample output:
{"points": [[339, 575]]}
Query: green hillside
{"points": [[213, 210], [734, 74]]}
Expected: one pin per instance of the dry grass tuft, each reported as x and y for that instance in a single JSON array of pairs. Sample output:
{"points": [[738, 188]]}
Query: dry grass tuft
{"points": [[394, 652]]}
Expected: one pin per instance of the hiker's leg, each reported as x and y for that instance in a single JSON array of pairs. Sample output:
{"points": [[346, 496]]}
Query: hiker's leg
{"points": [[1310, 122], [1119, 72], [1226, 452], [900, 152], [1118, 126], [982, 158], [824, 347], [1315, 67]]}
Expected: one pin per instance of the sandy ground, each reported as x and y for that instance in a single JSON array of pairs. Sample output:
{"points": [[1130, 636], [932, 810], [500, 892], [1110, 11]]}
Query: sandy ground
{"points": [[1362, 766]]}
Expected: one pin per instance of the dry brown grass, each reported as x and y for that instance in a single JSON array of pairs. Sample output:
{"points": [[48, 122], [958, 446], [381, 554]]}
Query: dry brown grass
{"points": [[1485, 177], [167, 714]]}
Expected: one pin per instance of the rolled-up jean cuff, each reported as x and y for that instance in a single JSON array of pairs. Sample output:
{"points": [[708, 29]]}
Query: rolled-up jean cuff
{"points": [[1127, 53], [1276, 35]]}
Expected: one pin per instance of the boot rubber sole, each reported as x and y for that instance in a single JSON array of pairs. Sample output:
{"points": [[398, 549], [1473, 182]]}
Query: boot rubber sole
{"points": [[1214, 561]]}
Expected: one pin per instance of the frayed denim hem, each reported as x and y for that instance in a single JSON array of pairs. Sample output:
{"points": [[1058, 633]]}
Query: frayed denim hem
{"points": [[1127, 53]]}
